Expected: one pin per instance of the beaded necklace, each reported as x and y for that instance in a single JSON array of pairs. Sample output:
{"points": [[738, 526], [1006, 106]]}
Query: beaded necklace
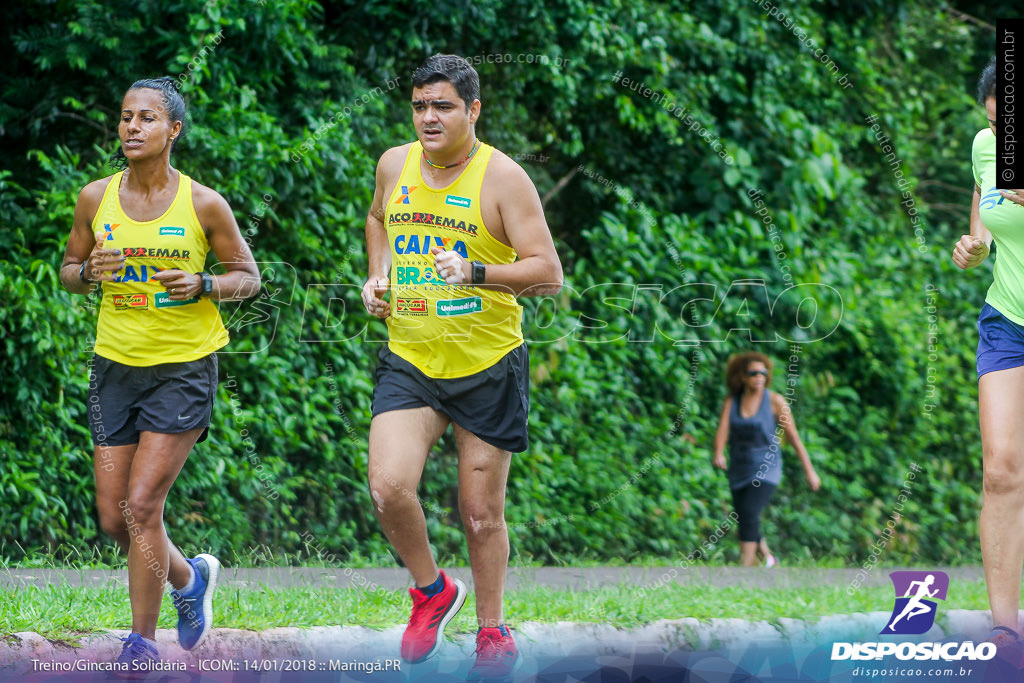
{"points": [[469, 156]]}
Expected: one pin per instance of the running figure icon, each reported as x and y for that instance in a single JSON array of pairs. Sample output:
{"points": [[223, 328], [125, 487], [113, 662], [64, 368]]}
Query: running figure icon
{"points": [[914, 606]]}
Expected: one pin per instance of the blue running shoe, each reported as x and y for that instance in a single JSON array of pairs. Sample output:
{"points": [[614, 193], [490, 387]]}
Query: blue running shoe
{"points": [[195, 608], [136, 657]]}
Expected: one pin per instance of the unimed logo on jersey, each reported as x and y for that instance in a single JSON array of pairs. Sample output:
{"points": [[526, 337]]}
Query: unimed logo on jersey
{"points": [[164, 300], [915, 608], [456, 200], [467, 306]]}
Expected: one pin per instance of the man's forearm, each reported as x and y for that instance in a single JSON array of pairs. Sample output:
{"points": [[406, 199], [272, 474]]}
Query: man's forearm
{"points": [[531, 276], [378, 250]]}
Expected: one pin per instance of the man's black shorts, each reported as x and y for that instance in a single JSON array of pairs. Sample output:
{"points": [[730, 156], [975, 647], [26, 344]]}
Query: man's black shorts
{"points": [[170, 398], [492, 404]]}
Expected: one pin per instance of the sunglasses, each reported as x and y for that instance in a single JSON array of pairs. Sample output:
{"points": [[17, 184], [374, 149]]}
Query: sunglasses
{"points": [[755, 373]]}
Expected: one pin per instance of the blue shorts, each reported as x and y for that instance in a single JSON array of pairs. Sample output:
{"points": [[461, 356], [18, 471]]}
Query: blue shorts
{"points": [[1000, 342]]}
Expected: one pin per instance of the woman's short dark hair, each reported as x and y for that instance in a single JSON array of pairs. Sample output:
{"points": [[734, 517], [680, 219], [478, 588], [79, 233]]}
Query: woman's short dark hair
{"points": [[173, 106], [987, 82], [736, 369], [454, 69]]}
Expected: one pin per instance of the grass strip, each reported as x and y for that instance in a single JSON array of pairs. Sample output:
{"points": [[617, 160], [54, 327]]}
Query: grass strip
{"points": [[67, 613]]}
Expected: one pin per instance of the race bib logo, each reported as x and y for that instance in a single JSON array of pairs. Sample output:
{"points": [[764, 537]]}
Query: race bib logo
{"points": [[147, 252], [123, 302], [915, 608], [406, 191], [411, 305]]}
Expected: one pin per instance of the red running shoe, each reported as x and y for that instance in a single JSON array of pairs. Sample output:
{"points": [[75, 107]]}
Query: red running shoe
{"points": [[496, 655], [422, 637], [1009, 644]]}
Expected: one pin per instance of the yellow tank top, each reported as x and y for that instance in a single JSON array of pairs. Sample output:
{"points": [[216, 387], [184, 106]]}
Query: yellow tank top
{"points": [[446, 331], [138, 324]]}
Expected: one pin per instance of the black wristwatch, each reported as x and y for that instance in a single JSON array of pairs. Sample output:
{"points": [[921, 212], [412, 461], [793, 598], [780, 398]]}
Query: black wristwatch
{"points": [[81, 275], [479, 272], [207, 288]]}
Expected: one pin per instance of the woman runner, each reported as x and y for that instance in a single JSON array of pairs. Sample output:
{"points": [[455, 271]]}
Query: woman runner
{"points": [[143, 235]]}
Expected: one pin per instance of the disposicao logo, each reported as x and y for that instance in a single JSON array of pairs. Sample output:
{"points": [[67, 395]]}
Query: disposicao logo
{"points": [[913, 614], [914, 611], [947, 652]]}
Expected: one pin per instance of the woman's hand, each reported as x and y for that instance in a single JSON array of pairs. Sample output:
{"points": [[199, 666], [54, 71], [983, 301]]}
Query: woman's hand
{"points": [[180, 286], [102, 263], [1015, 196], [969, 252]]}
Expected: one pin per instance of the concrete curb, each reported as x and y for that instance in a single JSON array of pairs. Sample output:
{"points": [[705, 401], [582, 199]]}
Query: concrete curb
{"points": [[534, 639]]}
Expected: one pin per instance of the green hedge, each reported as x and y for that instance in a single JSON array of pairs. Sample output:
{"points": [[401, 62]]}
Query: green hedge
{"points": [[660, 239]]}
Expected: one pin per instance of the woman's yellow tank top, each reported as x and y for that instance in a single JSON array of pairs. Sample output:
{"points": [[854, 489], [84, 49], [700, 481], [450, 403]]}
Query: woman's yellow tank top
{"points": [[138, 324]]}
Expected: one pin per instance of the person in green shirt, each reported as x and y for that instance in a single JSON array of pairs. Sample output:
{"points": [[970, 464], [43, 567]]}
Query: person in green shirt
{"points": [[998, 214]]}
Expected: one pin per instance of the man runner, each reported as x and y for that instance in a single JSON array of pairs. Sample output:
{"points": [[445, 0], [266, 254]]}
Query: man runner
{"points": [[456, 231]]}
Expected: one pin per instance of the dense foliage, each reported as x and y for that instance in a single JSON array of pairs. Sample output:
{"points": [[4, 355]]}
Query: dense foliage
{"points": [[652, 133]]}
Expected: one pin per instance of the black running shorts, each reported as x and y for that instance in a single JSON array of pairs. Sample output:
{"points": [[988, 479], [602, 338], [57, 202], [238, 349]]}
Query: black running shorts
{"points": [[492, 404], [170, 398]]}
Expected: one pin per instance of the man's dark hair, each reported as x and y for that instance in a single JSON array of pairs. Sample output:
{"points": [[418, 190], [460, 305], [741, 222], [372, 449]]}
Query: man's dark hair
{"points": [[451, 68], [987, 82], [173, 107]]}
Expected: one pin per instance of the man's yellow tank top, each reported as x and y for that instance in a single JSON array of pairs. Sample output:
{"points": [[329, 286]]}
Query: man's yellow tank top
{"points": [[446, 331], [138, 324]]}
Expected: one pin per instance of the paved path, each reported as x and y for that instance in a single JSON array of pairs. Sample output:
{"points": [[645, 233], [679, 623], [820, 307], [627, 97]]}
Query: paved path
{"points": [[518, 578]]}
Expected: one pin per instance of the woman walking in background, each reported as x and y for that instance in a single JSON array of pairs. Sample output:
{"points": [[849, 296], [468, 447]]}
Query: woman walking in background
{"points": [[748, 423], [999, 214], [144, 234]]}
